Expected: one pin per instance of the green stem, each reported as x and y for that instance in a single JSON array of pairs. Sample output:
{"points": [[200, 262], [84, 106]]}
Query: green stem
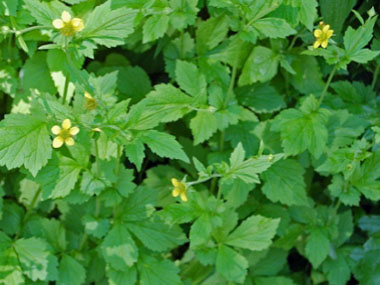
{"points": [[203, 180], [327, 85], [66, 88], [375, 75], [26, 30], [29, 210], [117, 163], [97, 158]]}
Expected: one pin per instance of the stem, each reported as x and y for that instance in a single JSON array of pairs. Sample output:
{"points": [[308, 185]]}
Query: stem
{"points": [[117, 164], [66, 88], [327, 85], [203, 180], [97, 158], [375, 75], [29, 210], [30, 29]]}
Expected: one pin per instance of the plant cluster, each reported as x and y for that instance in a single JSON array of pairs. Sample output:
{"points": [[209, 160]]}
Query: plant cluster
{"points": [[189, 142]]}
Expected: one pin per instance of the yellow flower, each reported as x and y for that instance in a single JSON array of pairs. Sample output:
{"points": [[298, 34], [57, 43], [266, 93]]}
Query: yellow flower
{"points": [[67, 25], [64, 134], [322, 35], [179, 189], [91, 102]]}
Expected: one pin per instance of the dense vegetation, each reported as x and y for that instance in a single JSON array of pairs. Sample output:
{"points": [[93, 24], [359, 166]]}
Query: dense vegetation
{"points": [[189, 142]]}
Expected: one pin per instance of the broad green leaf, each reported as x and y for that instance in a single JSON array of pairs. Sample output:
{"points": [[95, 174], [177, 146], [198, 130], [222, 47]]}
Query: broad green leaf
{"points": [[157, 236], [283, 182], [24, 140], [133, 82], [260, 66], [338, 270], [12, 218], [273, 27], [335, 12], [70, 271], [109, 27], [9, 7], [262, 98], [157, 272], [155, 27], [45, 12], [95, 226], [190, 79], [58, 177], [255, 233], [278, 280], [308, 77], [164, 145], [230, 264], [355, 40], [303, 129], [135, 153], [317, 247], [118, 248], [308, 13], [127, 276], [10, 269], [244, 133], [203, 126], [33, 257], [210, 33], [364, 55]]}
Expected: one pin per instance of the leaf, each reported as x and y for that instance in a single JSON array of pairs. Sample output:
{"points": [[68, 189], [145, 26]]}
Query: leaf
{"points": [[44, 12], [189, 78], [135, 153], [157, 236], [157, 272], [118, 248], [355, 40], [308, 13], [210, 33], [70, 271], [303, 129], [133, 82], [317, 247], [336, 12], [364, 55], [24, 140], [243, 133], [273, 27], [127, 276], [155, 27], [164, 145], [33, 257], [58, 177], [37, 74], [278, 280], [260, 66], [231, 265], [203, 126], [283, 182], [255, 233], [109, 27], [262, 98], [247, 170], [338, 270]]}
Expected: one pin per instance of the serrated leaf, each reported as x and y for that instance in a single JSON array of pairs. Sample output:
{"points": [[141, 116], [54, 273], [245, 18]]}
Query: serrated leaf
{"points": [[283, 182], [153, 271], [189, 78], [210, 33], [203, 126], [127, 276], [109, 27], [231, 265], [164, 145], [157, 236], [255, 233], [24, 140], [308, 13], [317, 247], [118, 248], [70, 271], [155, 27], [273, 27]]}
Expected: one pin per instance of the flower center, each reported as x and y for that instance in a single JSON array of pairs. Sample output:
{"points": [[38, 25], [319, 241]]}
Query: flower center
{"points": [[64, 134]]}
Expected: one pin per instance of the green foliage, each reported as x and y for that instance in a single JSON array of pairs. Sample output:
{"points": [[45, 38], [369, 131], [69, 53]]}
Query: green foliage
{"points": [[189, 142]]}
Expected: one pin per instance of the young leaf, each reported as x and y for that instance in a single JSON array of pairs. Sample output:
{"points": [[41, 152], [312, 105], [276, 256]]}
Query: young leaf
{"points": [[203, 126], [70, 271], [24, 140], [155, 27], [317, 247], [189, 78], [255, 233]]}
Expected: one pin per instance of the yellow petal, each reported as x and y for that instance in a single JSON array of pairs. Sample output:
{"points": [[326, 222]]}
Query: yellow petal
{"points": [[87, 95], [317, 33], [316, 44], [66, 124], [183, 197], [58, 142], [69, 141], [78, 24], [329, 33], [175, 192], [324, 43], [58, 24], [326, 28], [175, 182], [66, 17], [55, 130], [74, 131]]}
